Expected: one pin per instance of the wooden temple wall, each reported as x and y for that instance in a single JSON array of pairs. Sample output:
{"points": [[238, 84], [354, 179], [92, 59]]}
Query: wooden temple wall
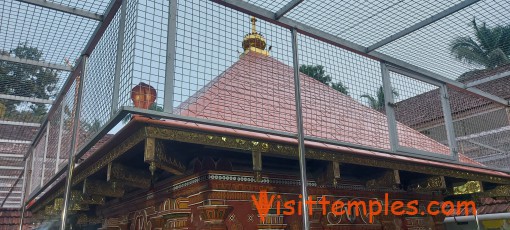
{"points": [[222, 200]]}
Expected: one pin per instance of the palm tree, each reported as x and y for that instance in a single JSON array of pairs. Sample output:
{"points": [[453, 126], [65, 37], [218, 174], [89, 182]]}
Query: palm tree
{"points": [[490, 47], [377, 103]]}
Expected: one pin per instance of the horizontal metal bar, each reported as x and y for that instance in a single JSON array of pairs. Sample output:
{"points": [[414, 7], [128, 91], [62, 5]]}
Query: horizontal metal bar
{"points": [[492, 157], [10, 197], [267, 15], [11, 155], [414, 76], [26, 99], [487, 79], [484, 133], [65, 9], [9, 177], [13, 192], [285, 9], [421, 24], [19, 123], [35, 63], [15, 141], [11, 167]]}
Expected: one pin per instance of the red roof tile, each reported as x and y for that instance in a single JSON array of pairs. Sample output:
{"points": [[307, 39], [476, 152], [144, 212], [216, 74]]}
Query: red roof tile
{"points": [[258, 91], [419, 111]]}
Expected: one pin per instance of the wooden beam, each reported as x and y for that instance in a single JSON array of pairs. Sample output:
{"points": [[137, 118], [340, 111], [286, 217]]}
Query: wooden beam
{"points": [[432, 183], [499, 191], [78, 197], [330, 174], [157, 157], [257, 164], [128, 176], [388, 179], [102, 188]]}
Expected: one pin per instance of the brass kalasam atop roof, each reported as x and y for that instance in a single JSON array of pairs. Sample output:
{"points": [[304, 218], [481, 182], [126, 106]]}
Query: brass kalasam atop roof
{"points": [[254, 41]]}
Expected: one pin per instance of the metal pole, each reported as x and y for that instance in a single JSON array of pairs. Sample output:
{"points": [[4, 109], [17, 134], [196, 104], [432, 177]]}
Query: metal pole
{"points": [[45, 152], [22, 214], [70, 167], [448, 121], [300, 136], [32, 167], [60, 131], [170, 58], [388, 107], [118, 59]]}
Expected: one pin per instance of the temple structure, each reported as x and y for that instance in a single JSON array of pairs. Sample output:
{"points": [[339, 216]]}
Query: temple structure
{"points": [[169, 174]]}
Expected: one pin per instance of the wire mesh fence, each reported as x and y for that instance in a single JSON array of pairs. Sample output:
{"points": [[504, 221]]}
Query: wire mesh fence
{"points": [[340, 95], [236, 69], [98, 85]]}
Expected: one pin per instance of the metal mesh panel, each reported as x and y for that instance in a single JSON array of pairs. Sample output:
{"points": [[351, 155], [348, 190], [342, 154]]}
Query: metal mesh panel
{"points": [[58, 35], [13, 199], [482, 129], [146, 41], [98, 85], [54, 140], [216, 79], [69, 103], [270, 5], [338, 93], [365, 22], [128, 54], [419, 111], [95, 6], [37, 164], [431, 46]]}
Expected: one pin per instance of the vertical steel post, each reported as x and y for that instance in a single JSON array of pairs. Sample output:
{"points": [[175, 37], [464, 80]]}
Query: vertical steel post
{"points": [[72, 153], [118, 59], [168, 100], [22, 214], [388, 107], [300, 136], [32, 155], [448, 122], [60, 131], [48, 125]]}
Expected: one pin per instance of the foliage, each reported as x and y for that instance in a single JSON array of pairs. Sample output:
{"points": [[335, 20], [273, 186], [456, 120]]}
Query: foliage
{"points": [[318, 73], [490, 47], [20, 80], [92, 127], [377, 102]]}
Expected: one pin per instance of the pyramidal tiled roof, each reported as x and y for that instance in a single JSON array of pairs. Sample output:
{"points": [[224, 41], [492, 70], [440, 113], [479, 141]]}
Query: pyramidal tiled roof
{"points": [[258, 91]]}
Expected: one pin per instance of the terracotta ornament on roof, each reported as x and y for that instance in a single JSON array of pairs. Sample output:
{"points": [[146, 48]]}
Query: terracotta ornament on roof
{"points": [[254, 41]]}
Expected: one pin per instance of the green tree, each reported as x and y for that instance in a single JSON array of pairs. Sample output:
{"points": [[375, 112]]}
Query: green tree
{"points": [[318, 73], [490, 47], [26, 81], [92, 127], [377, 102]]}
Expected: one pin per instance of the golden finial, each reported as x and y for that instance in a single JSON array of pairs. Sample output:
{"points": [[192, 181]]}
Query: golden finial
{"points": [[253, 25], [254, 42]]}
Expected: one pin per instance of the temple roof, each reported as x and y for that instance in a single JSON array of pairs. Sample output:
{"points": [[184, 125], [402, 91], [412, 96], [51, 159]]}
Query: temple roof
{"points": [[425, 108], [258, 91]]}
